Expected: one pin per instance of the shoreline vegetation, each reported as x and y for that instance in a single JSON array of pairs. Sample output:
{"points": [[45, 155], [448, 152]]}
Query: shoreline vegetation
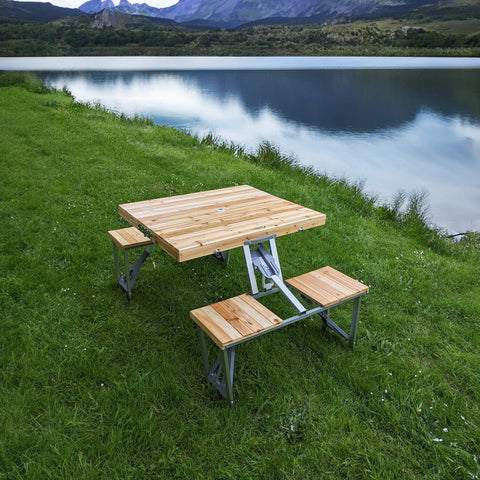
{"points": [[94, 386], [415, 36]]}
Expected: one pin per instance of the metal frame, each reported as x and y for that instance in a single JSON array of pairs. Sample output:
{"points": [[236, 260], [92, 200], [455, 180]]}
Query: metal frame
{"points": [[224, 257], [329, 323], [268, 264], [127, 279], [220, 374]]}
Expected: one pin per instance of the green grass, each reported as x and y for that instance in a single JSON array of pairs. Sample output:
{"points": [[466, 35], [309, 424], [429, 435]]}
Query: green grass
{"points": [[92, 386]]}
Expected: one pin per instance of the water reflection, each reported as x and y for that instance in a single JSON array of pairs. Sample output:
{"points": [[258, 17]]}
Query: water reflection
{"points": [[394, 129]]}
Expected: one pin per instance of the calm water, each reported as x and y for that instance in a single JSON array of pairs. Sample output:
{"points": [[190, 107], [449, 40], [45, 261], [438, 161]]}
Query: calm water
{"points": [[392, 124]]}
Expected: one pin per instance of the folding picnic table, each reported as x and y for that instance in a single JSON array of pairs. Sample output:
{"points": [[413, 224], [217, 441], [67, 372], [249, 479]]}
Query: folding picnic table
{"points": [[214, 222]]}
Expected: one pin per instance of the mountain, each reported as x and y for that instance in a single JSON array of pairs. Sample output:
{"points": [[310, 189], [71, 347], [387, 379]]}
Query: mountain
{"points": [[95, 6], [113, 18], [237, 12], [233, 13], [35, 11]]}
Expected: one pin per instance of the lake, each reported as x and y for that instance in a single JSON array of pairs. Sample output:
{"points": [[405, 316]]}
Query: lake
{"points": [[391, 124]]}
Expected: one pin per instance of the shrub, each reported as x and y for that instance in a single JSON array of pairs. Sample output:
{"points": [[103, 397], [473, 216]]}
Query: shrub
{"points": [[23, 79]]}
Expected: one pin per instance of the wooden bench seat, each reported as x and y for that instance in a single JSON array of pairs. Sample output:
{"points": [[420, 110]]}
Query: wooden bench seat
{"points": [[234, 320], [243, 318], [126, 239], [327, 286], [229, 323], [129, 237]]}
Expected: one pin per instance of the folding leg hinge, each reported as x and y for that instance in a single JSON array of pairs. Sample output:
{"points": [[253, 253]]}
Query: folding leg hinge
{"points": [[222, 256], [267, 264], [220, 374], [127, 279]]}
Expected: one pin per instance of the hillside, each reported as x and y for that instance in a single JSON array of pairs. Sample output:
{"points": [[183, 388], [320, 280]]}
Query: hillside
{"points": [[447, 29], [237, 13], [112, 33], [36, 11], [244, 13]]}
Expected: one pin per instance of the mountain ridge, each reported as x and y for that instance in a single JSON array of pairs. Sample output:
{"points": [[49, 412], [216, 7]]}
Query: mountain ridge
{"points": [[249, 13], [36, 11], [235, 13]]}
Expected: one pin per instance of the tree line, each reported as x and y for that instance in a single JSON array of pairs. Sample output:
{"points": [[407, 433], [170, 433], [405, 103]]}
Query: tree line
{"points": [[74, 38]]}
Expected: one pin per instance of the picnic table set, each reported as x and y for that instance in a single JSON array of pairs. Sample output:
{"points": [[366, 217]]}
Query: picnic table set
{"points": [[213, 223]]}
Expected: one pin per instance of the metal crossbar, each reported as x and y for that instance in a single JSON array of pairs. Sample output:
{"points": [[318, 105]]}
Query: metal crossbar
{"points": [[266, 262], [220, 374]]}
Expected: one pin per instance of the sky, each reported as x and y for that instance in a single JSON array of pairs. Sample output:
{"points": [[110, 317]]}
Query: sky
{"points": [[77, 3]]}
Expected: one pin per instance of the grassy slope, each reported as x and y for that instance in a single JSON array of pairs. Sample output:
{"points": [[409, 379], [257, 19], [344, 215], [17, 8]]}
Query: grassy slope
{"points": [[459, 27], [457, 24], [95, 387]]}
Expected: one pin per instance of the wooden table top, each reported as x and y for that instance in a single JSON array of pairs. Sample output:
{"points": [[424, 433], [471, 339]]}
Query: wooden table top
{"points": [[198, 224]]}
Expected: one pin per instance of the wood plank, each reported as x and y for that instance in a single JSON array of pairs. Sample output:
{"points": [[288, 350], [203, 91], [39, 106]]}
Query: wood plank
{"points": [[240, 233], [174, 225], [167, 246], [351, 283], [329, 283], [196, 207], [196, 250], [192, 200], [215, 326], [241, 305], [336, 280], [234, 319], [240, 322], [129, 237], [327, 286], [194, 203], [330, 290], [220, 232], [194, 195], [313, 291], [265, 313], [137, 236], [189, 226]]}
